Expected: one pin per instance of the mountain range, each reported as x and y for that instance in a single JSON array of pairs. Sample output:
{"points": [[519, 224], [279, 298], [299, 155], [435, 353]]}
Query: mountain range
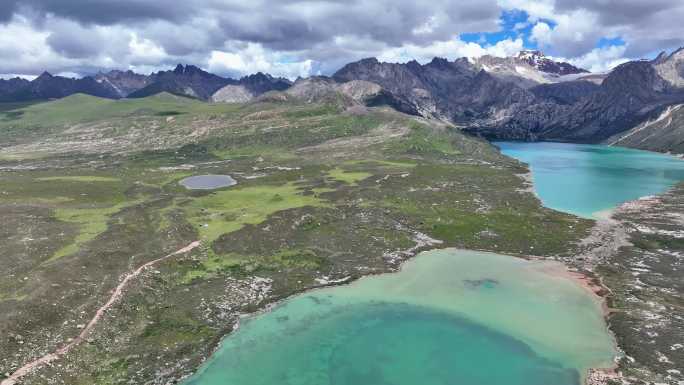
{"points": [[524, 97], [184, 80]]}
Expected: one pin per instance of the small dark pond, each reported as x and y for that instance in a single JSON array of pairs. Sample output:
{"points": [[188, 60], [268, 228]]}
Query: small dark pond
{"points": [[207, 182]]}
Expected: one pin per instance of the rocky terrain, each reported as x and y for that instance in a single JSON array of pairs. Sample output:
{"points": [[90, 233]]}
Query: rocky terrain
{"points": [[646, 285], [637, 258]]}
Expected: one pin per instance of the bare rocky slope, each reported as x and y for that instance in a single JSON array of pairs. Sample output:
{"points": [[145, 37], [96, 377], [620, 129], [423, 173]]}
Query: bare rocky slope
{"points": [[664, 133], [510, 99]]}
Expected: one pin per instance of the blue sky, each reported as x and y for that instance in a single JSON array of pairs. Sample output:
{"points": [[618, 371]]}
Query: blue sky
{"points": [[513, 24]]}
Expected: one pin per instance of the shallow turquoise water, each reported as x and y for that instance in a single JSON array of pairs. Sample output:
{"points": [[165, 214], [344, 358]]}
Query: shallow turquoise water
{"points": [[449, 317], [585, 179]]}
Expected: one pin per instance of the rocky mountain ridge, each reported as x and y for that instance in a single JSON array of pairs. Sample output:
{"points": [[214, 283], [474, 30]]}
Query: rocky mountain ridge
{"points": [[524, 97], [184, 80], [47, 86], [8, 86], [490, 97]]}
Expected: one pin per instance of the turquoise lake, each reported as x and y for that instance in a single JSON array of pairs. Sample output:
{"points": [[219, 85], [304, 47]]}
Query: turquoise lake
{"points": [[448, 317], [585, 179]]}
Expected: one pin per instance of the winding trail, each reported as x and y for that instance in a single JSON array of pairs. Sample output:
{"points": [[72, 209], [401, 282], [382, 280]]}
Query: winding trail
{"points": [[116, 295]]}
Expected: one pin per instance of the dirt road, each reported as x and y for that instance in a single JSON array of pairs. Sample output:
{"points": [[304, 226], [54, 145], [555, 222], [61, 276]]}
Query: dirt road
{"points": [[117, 293]]}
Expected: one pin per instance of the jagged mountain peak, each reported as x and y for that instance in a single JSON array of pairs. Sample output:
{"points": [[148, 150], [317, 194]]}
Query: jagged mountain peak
{"points": [[260, 83], [189, 69], [45, 75], [679, 52], [662, 56], [671, 67], [439, 62], [179, 69], [369, 60]]}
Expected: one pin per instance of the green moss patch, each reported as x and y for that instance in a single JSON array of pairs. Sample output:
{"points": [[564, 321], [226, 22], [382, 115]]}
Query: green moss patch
{"points": [[227, 211]]}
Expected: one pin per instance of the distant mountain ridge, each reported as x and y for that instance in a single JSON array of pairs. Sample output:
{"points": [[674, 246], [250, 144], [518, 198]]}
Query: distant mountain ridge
{"points": [[249, 87], [524, 97], [184, 80], [8, 86], [47, 86]]}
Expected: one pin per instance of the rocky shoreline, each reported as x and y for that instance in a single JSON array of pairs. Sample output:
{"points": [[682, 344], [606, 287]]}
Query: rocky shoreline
{"points": [[623, 248]]}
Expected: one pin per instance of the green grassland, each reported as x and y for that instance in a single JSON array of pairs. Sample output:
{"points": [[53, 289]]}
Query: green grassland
{"points": [[321, 192]]}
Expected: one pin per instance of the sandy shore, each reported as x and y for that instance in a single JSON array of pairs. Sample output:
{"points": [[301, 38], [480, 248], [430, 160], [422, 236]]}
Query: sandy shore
{"points": [[594, 287]]}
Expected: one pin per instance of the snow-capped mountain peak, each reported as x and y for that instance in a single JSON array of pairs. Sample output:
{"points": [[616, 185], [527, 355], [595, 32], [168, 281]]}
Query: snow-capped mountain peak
{"points": [[543, 63]]}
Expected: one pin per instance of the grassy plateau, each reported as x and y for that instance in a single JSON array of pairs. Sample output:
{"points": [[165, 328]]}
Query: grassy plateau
{"points": [[89, 191]]}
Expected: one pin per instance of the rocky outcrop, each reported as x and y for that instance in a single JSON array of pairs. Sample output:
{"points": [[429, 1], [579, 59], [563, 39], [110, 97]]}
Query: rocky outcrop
{"points": [[232, 94]]}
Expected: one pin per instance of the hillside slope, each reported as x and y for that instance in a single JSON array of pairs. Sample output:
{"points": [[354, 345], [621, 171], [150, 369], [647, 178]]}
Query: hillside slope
{"points": [[664, 133]]}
